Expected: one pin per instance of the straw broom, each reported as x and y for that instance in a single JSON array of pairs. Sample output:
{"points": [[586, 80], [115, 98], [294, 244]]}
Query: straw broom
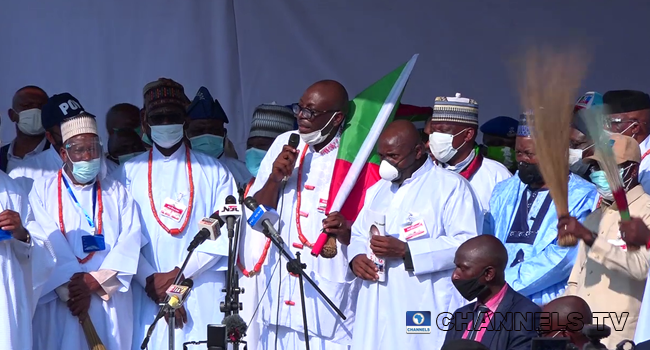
{"points": [[94, 343], [551, 80], [595, 120]]}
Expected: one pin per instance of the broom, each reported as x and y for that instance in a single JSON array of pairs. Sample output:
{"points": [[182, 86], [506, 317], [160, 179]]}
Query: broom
{"points": [[92, 338], [550, 83], [595, 120]]}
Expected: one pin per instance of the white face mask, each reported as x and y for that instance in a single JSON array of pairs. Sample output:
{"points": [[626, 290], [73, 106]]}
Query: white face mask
{"points": [[441, 146], [29, 122], [316, 137], [167, 136], [388, 171], [575, 155]]}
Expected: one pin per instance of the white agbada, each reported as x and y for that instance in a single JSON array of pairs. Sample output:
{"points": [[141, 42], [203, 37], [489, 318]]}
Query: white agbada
{"points": [[15, 162], [485, 178], [54, 325], [25, 269], [110, 166], [39, 166], [644, 167], [452, 215], [327, 330], [212, 184]]}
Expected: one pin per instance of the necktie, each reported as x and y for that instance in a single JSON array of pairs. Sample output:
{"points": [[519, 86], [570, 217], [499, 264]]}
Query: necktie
{"points": [[478, 321]]}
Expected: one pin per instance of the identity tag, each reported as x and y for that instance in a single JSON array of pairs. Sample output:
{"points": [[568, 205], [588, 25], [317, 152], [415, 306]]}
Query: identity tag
{"points": [[173, 209], [93, 243], [322, 202], [414, 230], [5, 235]]}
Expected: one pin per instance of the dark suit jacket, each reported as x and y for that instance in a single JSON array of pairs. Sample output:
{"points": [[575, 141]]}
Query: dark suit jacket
{"points": [[643, 346], [512, 327]]}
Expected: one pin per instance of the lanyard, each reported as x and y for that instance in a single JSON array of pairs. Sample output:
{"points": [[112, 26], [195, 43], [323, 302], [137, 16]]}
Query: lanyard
{"points": [[76, 202]]}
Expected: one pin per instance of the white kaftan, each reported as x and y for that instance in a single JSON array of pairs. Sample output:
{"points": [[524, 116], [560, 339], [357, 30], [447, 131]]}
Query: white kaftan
{"points": [[327, 330], [54, 325], [39, 166], [25, 269], [207, 266], [14, 162], [452, 215]]}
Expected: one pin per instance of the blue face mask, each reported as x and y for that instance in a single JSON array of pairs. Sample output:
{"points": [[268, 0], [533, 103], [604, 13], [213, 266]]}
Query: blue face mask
{"points": [[167, 136], [254, 158], [147, 140], [599, 179], [86, 171], [209, 144]]}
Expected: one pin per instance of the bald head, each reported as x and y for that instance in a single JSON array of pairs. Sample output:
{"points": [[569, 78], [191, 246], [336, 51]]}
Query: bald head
{"points": [[484, 250], [564, 306], [401, 131], [122, 116], [330, 94]]}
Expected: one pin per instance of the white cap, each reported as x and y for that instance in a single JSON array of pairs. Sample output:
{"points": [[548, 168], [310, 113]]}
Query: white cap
{"points": [[84, 123]]}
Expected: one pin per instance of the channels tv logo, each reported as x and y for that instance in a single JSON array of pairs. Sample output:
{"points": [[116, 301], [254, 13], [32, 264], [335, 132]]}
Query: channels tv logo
{"points": [[418, 322]]}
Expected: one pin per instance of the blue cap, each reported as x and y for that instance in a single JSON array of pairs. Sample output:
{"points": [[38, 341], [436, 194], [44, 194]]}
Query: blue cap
{"points": [[205, 107], [59, 107], [501, 126]]}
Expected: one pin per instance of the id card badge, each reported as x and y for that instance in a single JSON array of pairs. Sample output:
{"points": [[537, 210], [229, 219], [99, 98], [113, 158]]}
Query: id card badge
{"points": [[5, 235], [322, 202], [415, 230], [173, 209], [93, 243]]}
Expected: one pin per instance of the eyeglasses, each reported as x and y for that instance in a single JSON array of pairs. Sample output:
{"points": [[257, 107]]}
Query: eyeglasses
{"points": [[308, 113]]}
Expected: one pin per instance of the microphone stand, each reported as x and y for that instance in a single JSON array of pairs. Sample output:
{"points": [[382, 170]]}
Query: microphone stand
{"points": [[231, 304], [296, 267], [165, 309]]}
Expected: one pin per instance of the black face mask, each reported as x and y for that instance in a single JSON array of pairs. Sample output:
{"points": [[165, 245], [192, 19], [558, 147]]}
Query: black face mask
{"points": [[529, 173], [470, 288], [581, 169]]}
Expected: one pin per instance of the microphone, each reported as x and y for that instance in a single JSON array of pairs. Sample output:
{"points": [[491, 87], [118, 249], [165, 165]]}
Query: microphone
{"points": [[263, 218], [294, 141], [231, 212], [208, 229], [178, 293], [235, 327]]}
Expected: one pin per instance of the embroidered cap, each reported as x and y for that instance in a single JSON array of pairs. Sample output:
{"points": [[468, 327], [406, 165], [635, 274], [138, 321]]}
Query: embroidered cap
{"points": [[83, 123], [625, 149], [164, 95], [271, 120], [204, 106], [523, 130], [455, 109]]}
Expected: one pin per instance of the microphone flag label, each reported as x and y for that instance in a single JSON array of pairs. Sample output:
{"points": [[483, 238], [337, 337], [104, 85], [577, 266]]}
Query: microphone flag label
{"points": [[418, 322]]}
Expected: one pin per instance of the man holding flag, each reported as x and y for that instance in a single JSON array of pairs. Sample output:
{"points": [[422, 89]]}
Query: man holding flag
{"points": [[318, 189]]}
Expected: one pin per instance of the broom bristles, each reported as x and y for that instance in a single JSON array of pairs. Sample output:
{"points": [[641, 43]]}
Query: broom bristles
{"points": [[551, 82]]}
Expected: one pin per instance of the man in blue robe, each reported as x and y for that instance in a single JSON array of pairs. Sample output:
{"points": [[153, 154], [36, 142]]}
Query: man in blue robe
{"points": [[524, 218]]}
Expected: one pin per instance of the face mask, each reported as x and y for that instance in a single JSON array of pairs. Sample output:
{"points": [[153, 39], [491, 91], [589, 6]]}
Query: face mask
{"points": [[575, 155], [316, 137], [529, 173], [29, 122], [470, 288], [441, 145], [254, 158], [147, 140], [388, 171], [125, 157], [502, 154], [86, 171], [599, 179], [211, 145], [167, 136]]}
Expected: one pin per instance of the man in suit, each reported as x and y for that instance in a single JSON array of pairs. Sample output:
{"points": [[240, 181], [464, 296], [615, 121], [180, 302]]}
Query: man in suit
{"points": [[507, 319]]}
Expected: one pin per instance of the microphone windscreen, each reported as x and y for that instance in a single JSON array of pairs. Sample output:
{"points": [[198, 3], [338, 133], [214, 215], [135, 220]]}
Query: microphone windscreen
{"points": [[251, 203], [294, 140], [231, 200], [235, 323]]}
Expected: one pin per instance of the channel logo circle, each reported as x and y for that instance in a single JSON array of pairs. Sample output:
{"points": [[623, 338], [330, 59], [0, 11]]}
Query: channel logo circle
{"points": [[418, 318]]}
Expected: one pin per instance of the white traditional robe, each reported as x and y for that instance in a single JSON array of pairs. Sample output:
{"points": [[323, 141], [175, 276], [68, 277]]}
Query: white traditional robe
{"points": [[452, 215], [327, 330], [14, 162], [110, 166], [110, 310], [25, 269], [207, 266], [644, 167], [41, 165]]}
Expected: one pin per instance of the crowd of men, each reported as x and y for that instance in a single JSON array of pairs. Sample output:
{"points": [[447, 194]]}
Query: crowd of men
{"points": [[470, 230]]}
